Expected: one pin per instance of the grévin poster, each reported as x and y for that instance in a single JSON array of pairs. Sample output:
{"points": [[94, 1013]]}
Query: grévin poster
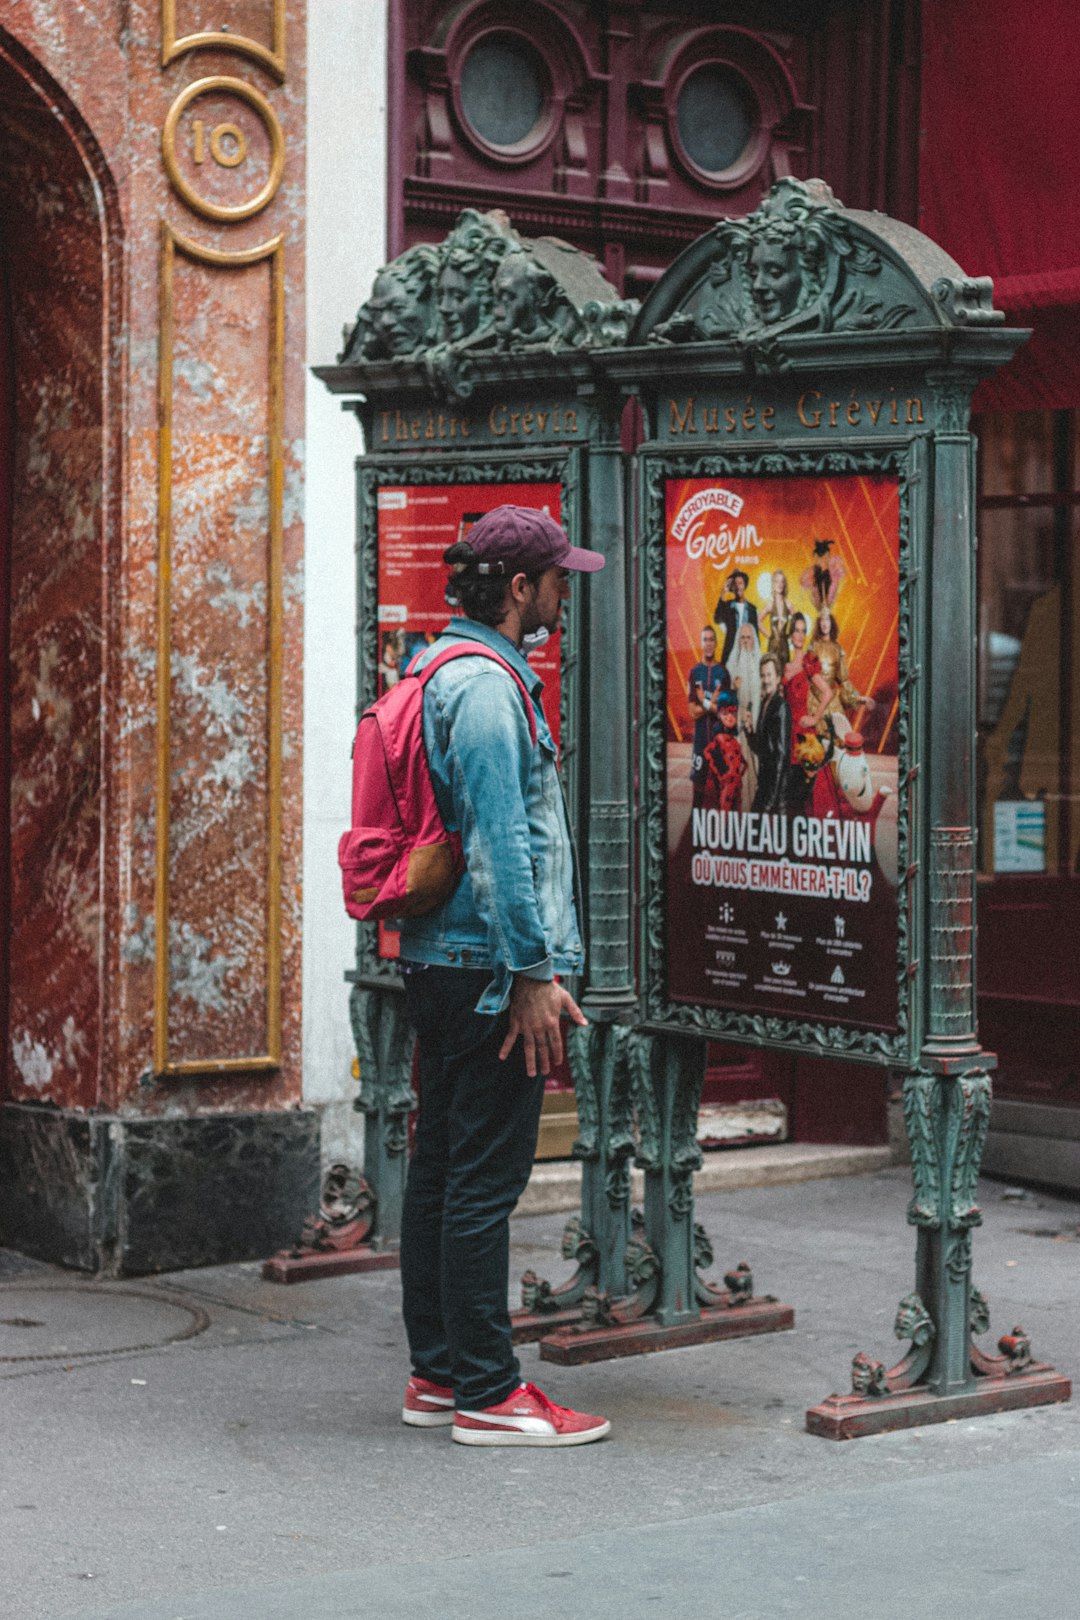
{"points": [[782, 733]]}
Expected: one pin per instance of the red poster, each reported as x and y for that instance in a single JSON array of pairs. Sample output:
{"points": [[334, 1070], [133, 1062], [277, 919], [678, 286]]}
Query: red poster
{"points": [[782, 618], [417, 522]]}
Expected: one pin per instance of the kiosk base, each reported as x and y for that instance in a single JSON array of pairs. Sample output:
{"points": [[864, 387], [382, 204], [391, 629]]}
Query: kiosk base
{"points": [[289, 1267], [574, 1346], [848, 1417], [528, 1326]]}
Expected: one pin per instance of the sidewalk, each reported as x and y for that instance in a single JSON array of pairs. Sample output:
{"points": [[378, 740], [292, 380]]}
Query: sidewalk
{"points": [[257, 1470]]}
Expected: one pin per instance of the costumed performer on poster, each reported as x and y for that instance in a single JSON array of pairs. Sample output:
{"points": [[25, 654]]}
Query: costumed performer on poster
{"points": [[707, 680], [770, 738], [724, 761], [776, 620], [832, 719], [803, 680], [844, 698], [733, 611], [824, 577], [745, 672]]}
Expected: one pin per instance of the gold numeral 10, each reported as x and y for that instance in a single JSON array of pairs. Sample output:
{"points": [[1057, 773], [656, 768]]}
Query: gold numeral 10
{"points": [[228, 144]]}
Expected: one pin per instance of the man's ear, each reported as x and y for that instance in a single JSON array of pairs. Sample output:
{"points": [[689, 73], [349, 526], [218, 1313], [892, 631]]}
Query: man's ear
{"points": [[519, 587]]}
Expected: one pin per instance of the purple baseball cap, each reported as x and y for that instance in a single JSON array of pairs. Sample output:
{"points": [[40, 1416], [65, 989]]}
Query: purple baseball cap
{"points": [[519, 539]]}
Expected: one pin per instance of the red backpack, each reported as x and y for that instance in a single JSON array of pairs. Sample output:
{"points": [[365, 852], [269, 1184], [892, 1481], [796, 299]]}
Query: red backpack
{"points": [[397, 859]]}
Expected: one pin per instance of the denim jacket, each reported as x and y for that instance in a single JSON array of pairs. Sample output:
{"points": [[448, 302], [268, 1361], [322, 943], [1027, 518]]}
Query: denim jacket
{"points": [[515, 909]]}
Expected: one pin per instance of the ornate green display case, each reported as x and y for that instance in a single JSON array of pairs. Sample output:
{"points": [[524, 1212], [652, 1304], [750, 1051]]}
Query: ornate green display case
{"points": [[805, 839]]}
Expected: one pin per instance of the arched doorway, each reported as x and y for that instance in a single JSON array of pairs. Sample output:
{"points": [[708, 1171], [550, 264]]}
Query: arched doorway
{"points": [[57, 457]]}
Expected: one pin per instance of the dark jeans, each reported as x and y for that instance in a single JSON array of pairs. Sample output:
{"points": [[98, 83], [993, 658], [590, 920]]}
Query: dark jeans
{"points": [[475, 1144]]}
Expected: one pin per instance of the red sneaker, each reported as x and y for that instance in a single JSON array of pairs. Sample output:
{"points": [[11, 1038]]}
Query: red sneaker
{"points": [[427, 1405], [527, 1418]]}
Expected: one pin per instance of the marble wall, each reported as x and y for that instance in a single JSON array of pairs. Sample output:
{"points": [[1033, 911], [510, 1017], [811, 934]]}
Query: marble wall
{"points": [[91, 194]]}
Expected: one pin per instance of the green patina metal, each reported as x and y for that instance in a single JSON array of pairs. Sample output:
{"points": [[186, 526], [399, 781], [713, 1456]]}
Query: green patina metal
{"points": [[809, 340], [805, 341], [473, 362], [384, 1047], [484, 292]]}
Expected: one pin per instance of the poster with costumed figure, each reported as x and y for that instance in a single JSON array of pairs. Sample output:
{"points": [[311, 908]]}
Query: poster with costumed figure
{"points": [[782, 736]]}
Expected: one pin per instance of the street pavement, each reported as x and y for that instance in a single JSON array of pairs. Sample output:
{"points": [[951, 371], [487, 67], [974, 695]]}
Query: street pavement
{"points": [[247, 1462]]}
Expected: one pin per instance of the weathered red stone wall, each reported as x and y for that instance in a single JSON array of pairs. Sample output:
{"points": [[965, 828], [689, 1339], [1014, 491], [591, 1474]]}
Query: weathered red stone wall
{"points": [[88, 297]]}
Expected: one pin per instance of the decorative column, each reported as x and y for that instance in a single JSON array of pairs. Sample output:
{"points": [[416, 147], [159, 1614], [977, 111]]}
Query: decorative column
{"points": [[597, 1238], [944, 1375], [358, 1226], [636, 1288], [500, 403], [666, 1303]]}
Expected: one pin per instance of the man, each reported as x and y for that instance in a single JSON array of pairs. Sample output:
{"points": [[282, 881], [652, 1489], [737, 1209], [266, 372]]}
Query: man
{"points": [[771, 742], [482, 989], [734, 611], [706, 682]]}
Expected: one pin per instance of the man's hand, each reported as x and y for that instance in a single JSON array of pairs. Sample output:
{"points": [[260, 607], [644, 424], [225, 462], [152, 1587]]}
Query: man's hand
{"points": [[536, 1005]]}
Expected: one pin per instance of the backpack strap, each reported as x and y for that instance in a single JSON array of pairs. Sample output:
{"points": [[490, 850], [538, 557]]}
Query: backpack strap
{"points": [[476, 649]]}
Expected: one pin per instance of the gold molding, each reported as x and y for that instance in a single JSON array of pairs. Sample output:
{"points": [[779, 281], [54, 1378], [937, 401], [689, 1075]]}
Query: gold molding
{"points": [[273, 60], [274, 252], [221, 212]]}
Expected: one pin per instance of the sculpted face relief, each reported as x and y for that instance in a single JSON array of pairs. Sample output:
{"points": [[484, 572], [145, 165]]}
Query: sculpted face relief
{"points": [[396, 318], [460, 304], [775, 279]]}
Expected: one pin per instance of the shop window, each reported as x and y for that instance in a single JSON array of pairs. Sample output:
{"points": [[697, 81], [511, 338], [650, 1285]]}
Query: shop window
{"points": [[1029, 752], [1029, 716]]}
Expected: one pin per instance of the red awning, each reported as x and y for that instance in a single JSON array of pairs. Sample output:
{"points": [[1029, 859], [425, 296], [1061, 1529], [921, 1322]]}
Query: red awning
{"points": [[999, 184]]}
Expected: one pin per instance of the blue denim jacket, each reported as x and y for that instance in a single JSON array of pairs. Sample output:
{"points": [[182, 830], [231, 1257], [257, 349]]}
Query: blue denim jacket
{"points": [[515, 909]]}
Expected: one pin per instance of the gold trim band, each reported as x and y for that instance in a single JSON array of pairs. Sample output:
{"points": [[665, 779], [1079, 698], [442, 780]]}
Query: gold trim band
{"points": [[274, 252], [226, 214], [273, 60]]}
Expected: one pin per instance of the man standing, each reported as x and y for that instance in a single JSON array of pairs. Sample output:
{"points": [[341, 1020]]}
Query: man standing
{"points": [[706, 682], [771, 742], [733, 611], [482, 989]]}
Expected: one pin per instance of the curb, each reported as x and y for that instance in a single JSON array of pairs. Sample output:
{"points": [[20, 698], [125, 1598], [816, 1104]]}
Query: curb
{"points": [[557, 1187]]}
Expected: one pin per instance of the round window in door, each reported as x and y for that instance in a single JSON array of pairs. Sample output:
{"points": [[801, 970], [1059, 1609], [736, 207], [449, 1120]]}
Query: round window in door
{"points": [[505, 94], [716, 122]]}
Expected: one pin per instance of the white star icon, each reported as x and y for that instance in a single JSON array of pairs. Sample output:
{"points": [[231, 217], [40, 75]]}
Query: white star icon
{"points": [[781, 922]]}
